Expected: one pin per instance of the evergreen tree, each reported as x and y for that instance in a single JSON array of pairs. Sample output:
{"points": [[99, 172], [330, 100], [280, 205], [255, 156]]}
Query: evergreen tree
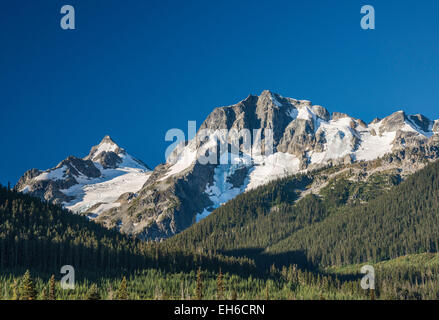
{"points": [[43, 294], [27, 288], [122, 293], [15, 291], [220, 286], [93, 293], [199, 287], [52, 292]]}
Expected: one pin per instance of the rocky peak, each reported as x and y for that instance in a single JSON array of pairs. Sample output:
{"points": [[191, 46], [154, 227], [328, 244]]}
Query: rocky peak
{"points": [[321, 112], [107, 153], [394, 122]]}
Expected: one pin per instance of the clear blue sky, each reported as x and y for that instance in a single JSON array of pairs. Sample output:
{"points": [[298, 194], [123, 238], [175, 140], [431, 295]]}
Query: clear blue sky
{"points": [[135, 68]]}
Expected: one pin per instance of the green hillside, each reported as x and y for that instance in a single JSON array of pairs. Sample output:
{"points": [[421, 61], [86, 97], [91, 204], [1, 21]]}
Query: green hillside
{"points": [[348, 222]]}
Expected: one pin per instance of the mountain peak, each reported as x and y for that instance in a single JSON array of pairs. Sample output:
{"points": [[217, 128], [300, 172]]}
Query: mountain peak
{"points": [[105, 146], [107, 139]]}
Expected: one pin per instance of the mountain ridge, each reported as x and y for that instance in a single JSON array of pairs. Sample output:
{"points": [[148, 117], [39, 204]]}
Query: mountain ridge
{"points": [[305, 137]]}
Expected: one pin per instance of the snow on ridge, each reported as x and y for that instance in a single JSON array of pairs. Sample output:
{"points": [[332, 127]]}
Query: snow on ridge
{"points": [[55, 174], [185, 159], [106, 147], [129, 161]]}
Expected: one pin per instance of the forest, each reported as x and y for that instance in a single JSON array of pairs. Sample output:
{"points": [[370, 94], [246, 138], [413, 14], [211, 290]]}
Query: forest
{"points": [[265, 244]]}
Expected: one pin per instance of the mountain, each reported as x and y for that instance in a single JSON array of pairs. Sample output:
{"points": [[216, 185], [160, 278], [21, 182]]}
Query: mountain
{"points": [[287, 136], [104, 179], [305, 137]]}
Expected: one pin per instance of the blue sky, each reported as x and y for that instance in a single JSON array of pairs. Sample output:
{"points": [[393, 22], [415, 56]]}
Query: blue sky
{"points": [[134, 69]]}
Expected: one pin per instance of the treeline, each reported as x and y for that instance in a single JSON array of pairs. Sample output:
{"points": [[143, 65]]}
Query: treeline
{"points": [[153, 284], [412, 277]]}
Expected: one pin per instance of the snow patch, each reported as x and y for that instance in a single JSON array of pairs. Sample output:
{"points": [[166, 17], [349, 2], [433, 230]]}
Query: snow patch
{"points": [[272, 167], [339, 140], [221, 190], [56, 174], [374, 147], [105, 189], [185, 159]]}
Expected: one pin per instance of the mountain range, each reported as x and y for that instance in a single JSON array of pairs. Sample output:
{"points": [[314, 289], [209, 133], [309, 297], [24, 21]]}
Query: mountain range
{"points": [[119, 191]]}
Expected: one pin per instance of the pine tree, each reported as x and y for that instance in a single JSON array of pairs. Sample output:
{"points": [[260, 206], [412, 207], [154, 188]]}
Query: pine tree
{"points": [[52, 294], [93, 293], [122, 293], [15, 291], [220, 286], [43, 294], [199, 288], [27, 289]]}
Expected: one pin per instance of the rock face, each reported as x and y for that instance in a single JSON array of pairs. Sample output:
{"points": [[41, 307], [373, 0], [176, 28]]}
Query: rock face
{"points": [[237, 148], [90, 185]]}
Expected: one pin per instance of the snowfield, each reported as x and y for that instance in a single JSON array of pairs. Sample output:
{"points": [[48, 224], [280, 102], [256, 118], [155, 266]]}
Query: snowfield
{"points": [[105, 190]]}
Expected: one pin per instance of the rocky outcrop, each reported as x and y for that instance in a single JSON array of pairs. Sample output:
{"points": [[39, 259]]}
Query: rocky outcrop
{"points": [[393, 122]]}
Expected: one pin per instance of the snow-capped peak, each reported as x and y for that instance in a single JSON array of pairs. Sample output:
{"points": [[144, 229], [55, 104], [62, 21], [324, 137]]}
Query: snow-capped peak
{"points": [[92, 184], [106, 145]]}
